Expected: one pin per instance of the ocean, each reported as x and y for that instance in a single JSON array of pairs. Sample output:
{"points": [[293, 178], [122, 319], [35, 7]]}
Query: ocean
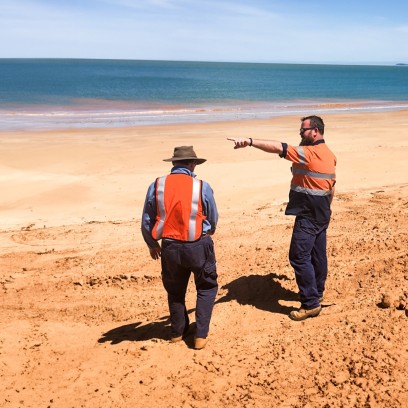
{"points": [[77, 93]]}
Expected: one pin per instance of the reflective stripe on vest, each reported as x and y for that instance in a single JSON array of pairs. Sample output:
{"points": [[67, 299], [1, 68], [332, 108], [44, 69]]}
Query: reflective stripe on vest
{"points": [[160, 206], [194, 210], [183, 226]]}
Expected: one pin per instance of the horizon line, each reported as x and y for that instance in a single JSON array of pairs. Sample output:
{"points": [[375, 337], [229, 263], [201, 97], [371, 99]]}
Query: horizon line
{"points": [[211, 61]]}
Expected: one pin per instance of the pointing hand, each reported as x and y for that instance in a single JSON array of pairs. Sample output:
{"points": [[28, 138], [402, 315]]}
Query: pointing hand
{"points": [[239, 143]]}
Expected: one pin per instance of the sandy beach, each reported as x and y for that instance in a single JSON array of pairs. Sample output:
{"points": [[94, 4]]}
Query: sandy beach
{"points": [[84, 319]]}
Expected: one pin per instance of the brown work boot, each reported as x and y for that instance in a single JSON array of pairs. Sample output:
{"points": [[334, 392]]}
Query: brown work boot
{"points": [[186, 332], [199, 343], [303, 314]]}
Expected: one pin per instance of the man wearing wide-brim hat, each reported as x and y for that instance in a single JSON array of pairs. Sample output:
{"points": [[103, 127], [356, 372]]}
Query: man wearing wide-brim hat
{"points": [[180, 211]]}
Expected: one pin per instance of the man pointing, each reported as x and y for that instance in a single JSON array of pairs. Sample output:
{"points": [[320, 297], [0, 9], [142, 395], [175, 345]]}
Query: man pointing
{"points": [[310, 197]]}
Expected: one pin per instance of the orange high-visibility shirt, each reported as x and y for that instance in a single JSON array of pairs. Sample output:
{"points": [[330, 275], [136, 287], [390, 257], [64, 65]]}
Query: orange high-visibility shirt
{"points": [[313, 179]]}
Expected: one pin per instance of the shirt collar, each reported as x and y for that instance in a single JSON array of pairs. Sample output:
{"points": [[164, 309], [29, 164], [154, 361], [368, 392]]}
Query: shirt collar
{"points": [[182, 170], [318, 142]]}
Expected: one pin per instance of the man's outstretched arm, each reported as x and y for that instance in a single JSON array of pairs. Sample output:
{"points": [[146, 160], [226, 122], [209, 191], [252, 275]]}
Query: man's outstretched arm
{"points": [[269, 146]]}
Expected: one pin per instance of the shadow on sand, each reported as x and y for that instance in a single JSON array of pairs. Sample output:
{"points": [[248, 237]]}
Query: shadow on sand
{"points": [[137, 332], [261, 291]]}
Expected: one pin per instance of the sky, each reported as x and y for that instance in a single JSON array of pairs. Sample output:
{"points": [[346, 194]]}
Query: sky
{"points": [[289, 31]]}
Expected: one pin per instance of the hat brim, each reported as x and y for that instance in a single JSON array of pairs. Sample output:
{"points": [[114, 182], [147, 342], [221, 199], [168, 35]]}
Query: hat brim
{"points": [[196, 159]]}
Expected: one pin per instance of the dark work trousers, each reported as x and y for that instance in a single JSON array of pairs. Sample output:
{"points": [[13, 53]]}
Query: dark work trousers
{"points": [[178, 260], [308, 257]]}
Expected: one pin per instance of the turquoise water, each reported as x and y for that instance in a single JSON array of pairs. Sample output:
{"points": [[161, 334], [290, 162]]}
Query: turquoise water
{"points": [[46, 93]]}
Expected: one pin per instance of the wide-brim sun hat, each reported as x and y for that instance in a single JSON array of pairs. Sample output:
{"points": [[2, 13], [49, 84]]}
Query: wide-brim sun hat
{"points": [[185, 153]]}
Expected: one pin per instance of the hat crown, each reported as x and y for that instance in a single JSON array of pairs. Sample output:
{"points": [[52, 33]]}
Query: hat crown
{"points": [[185, 153]]}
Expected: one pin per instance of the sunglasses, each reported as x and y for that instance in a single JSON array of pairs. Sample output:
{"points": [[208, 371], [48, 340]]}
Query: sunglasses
{"points": [[303, 130]]}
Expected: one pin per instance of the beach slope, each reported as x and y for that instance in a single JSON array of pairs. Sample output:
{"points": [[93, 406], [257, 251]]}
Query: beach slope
{"points": [[84, 318]]}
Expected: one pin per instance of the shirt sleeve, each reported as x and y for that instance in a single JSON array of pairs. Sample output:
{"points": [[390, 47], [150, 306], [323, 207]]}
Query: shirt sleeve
{"points": [[149, 217], [209, 208], [284, 150]]}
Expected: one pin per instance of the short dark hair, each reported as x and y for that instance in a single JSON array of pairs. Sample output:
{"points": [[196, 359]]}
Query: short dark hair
{"points": [[315, 122]]}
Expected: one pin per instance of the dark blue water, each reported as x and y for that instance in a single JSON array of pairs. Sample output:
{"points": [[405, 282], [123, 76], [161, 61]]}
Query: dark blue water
{"points": [[86, 92]]}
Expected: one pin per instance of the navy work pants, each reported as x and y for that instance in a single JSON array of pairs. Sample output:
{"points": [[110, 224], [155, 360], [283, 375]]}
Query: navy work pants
{"points": [[179, 260], [308, 257]]}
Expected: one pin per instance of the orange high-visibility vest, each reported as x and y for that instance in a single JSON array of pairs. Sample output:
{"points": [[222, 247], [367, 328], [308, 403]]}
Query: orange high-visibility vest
{"points": [[179, 208]]}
